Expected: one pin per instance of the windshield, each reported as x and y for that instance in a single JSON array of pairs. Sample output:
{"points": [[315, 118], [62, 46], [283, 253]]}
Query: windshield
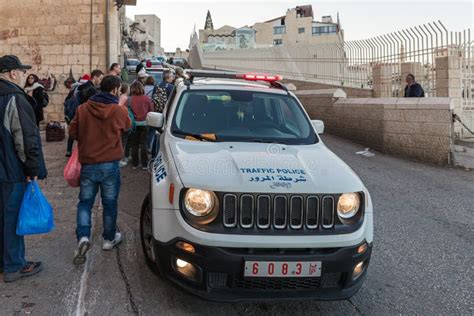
{"points": [[242, 116], [133, 62]]}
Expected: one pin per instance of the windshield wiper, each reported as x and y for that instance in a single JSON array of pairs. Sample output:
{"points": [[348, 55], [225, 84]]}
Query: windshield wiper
{"points": [[197, 136], [259, 140]]}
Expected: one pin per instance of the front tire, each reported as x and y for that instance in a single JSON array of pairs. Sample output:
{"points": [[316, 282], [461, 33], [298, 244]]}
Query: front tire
{"points": [[146, 234]]}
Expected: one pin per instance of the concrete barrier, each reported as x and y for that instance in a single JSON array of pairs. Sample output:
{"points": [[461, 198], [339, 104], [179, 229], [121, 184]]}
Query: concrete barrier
{"points": [[417, 128]]}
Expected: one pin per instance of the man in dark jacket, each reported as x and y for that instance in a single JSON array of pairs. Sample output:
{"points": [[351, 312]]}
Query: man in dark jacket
{"points": [[413, 89], [99, 156], [21, 160], [93, 83]]}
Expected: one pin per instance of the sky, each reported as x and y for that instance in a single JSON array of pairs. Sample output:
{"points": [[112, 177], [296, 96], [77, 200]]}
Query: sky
{"points": [[359, 19]]}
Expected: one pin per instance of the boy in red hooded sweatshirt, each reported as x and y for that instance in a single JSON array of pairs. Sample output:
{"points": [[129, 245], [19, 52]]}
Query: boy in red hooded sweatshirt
{"points": [[98, 127]]}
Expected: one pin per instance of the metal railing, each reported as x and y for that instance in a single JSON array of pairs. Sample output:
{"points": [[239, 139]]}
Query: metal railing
{"points": [[350, 63], [378, 64]]}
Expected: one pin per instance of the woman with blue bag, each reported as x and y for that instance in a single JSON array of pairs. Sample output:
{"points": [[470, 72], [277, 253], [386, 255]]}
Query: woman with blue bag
{"points": [[21, 161]]}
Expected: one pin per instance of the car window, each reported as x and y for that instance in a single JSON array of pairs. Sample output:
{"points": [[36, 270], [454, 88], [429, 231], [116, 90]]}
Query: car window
{"points": [[248, 116]]}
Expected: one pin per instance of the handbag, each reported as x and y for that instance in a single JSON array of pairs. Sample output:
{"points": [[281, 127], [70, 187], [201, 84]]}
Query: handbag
{"points": [[36, 214], [72, 170]]}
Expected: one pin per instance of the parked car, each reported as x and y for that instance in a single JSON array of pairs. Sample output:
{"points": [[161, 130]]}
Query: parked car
{"points": [[181, 62], [246, 202], [131, 65], [152, 64]]}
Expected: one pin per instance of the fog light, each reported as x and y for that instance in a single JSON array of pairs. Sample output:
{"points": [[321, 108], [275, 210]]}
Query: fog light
{"points": [[187, 270], [362, 249], [185, 246], [359, 268]]}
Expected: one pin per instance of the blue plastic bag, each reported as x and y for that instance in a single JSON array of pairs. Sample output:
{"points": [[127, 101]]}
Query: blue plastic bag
{"points": [[36, 214]]}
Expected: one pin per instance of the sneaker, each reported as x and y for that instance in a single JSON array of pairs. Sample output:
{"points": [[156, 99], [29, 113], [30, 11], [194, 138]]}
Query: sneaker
{"points": [[110, 244], [144, 167], [31, 268], [123, 163], [83, 247], [134, 167]]}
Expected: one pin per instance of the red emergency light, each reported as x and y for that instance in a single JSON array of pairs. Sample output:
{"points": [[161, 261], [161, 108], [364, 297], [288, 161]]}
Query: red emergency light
{"points": [[148, 64], [269, 78]]}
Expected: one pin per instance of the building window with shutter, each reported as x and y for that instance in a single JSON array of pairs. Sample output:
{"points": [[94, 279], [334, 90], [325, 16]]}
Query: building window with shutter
{"points": [[300, 30]]}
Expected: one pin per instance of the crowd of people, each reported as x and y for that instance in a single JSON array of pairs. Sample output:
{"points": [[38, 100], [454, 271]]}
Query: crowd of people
{"points": [[105, 116]]}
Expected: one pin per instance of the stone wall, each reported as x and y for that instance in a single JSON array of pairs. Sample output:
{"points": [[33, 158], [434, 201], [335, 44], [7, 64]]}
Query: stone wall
{"points": [[350, 92], [417, 128], [55, 36]]}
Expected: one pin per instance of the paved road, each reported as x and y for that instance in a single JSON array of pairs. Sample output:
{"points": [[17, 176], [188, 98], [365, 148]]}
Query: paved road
{"points": [[422, 261]]}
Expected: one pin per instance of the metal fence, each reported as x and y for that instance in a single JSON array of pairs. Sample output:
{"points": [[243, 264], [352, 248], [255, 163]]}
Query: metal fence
{"points": [[350, 63], [379, 63]]}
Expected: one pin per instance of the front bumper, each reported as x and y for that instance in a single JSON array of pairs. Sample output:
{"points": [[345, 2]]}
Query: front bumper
{"points": [[220, 272]]}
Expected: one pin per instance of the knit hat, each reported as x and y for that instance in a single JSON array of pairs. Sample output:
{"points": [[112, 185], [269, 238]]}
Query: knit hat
{"points": [[85, 78], [142, 73]]}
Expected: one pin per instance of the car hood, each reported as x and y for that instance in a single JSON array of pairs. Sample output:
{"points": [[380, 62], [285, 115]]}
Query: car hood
{"points": [[260, 168]]}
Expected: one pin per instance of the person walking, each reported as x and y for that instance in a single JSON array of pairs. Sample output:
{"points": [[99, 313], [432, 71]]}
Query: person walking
{"points": [[21, 161], [94, 82], [99, 157], [115, 69], [35, 90], [124, 92], [123, 101], [140, 105], [89, 86], [141, 76], [161, 94], [180, 76], [149, 86], [413, 89]]}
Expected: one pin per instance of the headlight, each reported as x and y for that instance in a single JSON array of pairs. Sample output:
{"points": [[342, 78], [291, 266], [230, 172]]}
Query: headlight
{"points": [[199, 203], [348, 205]]}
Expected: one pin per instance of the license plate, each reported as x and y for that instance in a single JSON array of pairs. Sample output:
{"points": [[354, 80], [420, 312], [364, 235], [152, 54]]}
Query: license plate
{"points": [[282, 269]]}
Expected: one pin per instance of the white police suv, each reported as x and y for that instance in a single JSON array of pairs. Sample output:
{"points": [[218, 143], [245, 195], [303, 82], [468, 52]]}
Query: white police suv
{"points": [[246, 201]]}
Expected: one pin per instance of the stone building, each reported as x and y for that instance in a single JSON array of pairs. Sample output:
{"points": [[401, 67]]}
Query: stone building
{"points": [[297, 26], [59, 36], [152, 25], [144, 36]]}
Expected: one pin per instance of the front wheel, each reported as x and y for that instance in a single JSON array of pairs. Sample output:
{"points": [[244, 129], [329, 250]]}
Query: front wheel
{"points": [[146, 234]]}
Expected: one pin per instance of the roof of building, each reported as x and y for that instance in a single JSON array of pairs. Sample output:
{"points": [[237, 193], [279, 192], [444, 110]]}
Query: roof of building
{"points": [[278, 18], [305, 10]]}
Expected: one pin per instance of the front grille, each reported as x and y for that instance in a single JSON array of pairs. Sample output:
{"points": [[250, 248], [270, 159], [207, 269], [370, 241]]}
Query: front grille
{"points": [[276, 283], [280, 212], [246, 211]]}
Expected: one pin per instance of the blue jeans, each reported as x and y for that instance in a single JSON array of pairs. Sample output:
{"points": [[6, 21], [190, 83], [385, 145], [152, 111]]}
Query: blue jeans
{"points": [[12, 246], [105, 176]]}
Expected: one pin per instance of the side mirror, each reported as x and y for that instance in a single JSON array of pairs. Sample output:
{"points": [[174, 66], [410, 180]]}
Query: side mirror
{"points": [[155, 120], [318, 126]]}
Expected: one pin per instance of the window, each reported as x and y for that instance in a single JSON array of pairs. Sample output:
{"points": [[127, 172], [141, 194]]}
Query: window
{"points": [[279, 29], [277, 41], [300, 30], [324, 30]]}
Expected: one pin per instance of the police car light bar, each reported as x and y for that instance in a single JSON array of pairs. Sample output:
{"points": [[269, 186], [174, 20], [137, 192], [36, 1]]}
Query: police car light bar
{"points": [[268, 78], [233, 75]]}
